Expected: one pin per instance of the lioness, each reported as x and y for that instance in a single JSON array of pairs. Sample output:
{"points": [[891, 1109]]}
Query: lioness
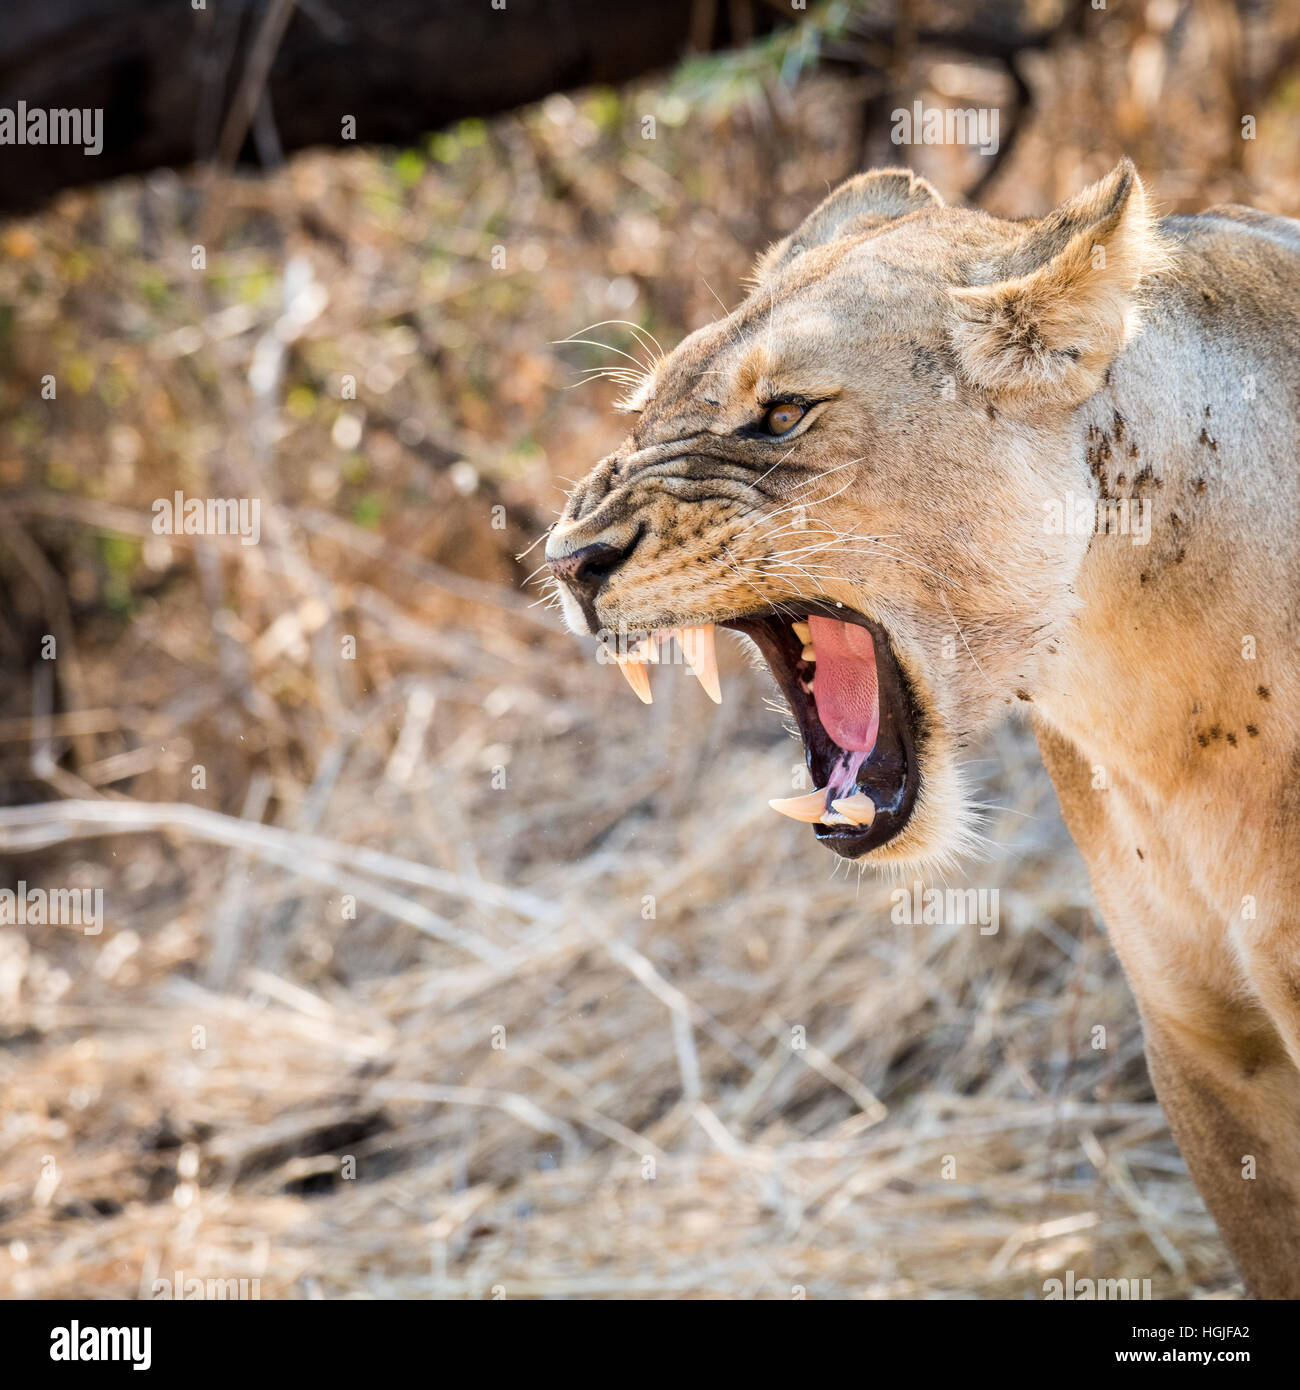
{"points": [[938, 463]]}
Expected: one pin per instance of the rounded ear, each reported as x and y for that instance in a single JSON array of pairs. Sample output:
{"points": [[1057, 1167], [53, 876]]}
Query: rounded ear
{"points": [[1055, 309], [860, 204]]}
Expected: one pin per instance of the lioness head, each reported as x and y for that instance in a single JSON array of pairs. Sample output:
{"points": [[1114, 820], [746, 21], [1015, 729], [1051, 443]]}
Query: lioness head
{"points": [[851, 469]]}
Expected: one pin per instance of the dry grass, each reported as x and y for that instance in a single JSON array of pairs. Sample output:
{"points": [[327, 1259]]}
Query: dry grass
{"points": [[463, 970], [948, 1129]]}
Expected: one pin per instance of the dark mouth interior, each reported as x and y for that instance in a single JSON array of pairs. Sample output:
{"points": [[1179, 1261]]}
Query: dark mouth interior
{"points": [[890, 774]]}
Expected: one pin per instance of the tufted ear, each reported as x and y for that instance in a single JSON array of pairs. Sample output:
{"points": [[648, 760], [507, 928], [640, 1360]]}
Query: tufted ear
{"points": [[1054, 310], [859, 204]]}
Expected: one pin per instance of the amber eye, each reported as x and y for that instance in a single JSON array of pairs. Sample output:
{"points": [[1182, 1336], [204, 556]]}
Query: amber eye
{"points": [[781, 419]]}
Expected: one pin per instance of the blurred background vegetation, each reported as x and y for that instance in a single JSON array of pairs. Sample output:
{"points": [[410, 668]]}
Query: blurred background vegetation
{"points": [[526, 806]]}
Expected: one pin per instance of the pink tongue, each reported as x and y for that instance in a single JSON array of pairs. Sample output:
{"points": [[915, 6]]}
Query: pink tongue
{"points": [[845, 683]]}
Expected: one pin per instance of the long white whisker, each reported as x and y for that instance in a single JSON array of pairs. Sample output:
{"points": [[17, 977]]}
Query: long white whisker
{"points": [[636, 328], [609, 347]]}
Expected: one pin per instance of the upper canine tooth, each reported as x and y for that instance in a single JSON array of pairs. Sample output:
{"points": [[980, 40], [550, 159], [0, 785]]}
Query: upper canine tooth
{"points": [[858, 808], [810, 808], [634, 671], [803, 632], [702, 657]]}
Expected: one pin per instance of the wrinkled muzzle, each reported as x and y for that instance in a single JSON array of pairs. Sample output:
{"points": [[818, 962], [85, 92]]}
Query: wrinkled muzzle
{"points": [[836, 668]]}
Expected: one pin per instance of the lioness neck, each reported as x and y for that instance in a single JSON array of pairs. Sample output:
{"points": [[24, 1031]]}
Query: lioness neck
{"points": [[1177, 685]]}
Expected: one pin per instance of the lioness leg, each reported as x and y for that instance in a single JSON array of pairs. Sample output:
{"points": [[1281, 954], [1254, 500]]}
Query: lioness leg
{"points": [[1234, 1108], [1222, 1049]]}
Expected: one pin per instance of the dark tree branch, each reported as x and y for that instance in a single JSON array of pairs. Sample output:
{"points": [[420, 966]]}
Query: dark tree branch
{"points": [[171, 79]]}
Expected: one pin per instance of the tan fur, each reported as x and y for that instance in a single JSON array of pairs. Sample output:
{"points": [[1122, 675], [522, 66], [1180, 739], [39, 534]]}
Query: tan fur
{"points": [[973, 373]]}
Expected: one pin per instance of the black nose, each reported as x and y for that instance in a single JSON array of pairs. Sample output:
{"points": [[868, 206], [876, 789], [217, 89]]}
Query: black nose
{"points": [[585, 570]]}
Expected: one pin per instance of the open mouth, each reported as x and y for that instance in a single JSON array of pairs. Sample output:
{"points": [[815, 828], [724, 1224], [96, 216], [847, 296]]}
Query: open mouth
{"points": [[838, 672]]}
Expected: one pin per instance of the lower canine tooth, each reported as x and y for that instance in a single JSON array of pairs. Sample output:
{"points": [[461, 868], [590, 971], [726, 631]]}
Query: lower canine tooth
{"points": [[702, 657], [810, 808], [808, 654], [858, 808]]}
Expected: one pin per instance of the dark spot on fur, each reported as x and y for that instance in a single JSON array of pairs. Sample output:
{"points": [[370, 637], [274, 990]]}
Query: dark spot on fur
{"points": [[1134, 452], [1205, 439], [924, 363], [1196, 708], [1180, 556], [1025, 696], [1263, 692], [1103, 449], [1175, 519], [1107, 378], [1143, 577], [993, 415], [1140, 854], [1202, 740], [1216, 731], [1097, 470], [1252, 730], [1232, 739], [1207, 412], [1121, 480], [1119, 425], [1198, 486]]}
